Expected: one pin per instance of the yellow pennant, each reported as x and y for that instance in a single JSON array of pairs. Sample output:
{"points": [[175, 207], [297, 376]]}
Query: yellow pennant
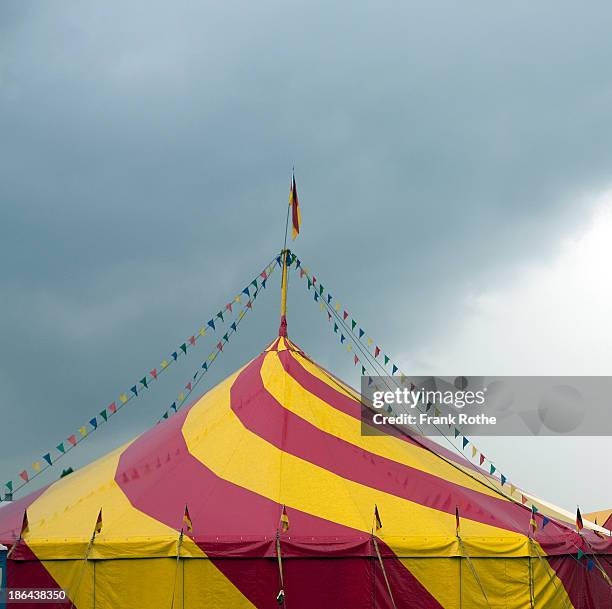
{"points": [[474, 451], [202, 331], [164, 364], [83, 431], [36, 466], [123, 397], [181, 396], [370, 341], [337, 306]]}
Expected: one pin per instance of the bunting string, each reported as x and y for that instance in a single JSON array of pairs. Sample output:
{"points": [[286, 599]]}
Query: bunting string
{"points": [[213, 326], [190, 387]]}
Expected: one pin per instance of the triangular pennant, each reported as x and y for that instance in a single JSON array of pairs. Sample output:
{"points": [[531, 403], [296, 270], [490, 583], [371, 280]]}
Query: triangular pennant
{"points": [[353, 325], [492, 469], [386, 359], [376, 352], [192, 340], [47, 458], [220, 315], [246, 292], [94, 423], [175, 356], [153, 373], [112, 408], [482, 458], [503, 479], [395, 369], [345, 315], [104, 415], [329, 298], [211, 323], [9, 485], [233, 326], [183, 348], [361, 333], [143, 382], [61, 448], [173, 406], [134, 390], [205, 366], [188, 386], [342, 338], [465, 442], [336, 328], [456, 433]]}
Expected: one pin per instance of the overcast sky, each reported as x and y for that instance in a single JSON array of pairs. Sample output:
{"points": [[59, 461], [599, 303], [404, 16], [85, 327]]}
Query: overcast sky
{"points": [[454, 168]]}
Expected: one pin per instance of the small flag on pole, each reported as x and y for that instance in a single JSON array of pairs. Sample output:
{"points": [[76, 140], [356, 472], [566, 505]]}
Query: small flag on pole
{"points": [[377, 519], [295, 209], [579, 524], [532, 522], [187, 520], [99, 523], [284, 520], [25, 525]]}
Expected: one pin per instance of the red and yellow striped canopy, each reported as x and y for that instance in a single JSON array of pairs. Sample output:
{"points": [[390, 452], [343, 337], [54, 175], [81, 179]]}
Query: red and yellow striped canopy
{"points": [[282, 431]]}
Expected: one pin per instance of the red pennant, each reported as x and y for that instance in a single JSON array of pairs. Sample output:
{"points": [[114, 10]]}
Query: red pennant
{"points": [[301, 273], [220, 346], [345, 315], [72, 440], [113, 408], [264, 275], [356, 360], [24, 475], [228, 306], [523, 499], [314, 280], [482, 458], [192, 340], [377, 352], [153, 373], [188, 386], [249, 305]]}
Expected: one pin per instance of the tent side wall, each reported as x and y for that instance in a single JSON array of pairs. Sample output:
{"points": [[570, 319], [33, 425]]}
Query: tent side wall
{"points": [[315, 582]]}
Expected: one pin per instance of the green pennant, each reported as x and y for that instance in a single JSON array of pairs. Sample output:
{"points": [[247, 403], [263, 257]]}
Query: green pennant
{"points": [[183, 349], [353, 324], [60, 447], [220, 315], [104, 415], [580, 554], [225, 338], [363, 371], [165, 415], [9, 485], [309, 283], [320, 290], [143, 381], [336, 328], [386, 359], [493, 469], [254, 283]]}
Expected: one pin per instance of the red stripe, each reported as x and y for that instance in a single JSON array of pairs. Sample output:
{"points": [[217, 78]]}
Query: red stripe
{"points": [[282, 428], [352, 407]]}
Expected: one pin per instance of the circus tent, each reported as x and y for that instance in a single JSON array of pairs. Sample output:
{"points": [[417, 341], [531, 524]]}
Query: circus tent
{"points": [[282, 431]]}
